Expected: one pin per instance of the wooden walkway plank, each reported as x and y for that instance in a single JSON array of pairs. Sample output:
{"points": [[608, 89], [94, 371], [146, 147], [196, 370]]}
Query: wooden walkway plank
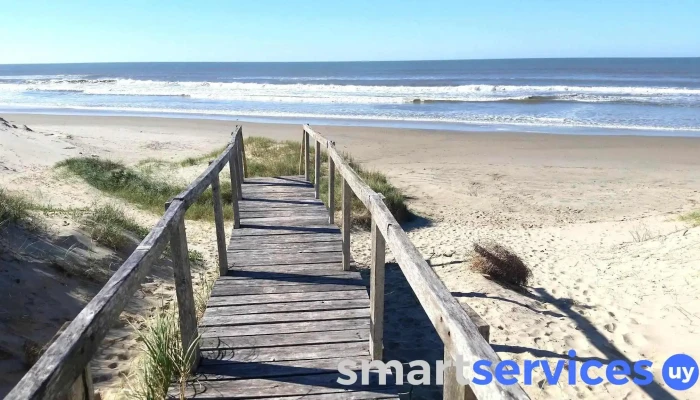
{"points": [[284, 298], [284, 339], [319, 305], [285, 313]]}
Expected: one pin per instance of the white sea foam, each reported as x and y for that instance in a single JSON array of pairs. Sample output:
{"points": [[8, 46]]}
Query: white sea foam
{"points": [[355, 94]]}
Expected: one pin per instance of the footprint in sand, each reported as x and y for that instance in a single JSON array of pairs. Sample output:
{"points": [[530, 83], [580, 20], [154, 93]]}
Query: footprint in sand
{"points": [[610, 327]]}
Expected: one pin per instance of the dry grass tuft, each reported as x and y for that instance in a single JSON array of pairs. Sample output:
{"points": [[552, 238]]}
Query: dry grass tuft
{"points": [[500, 263]]}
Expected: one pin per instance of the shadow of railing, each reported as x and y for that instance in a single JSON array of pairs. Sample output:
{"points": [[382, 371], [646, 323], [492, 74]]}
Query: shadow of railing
{"points": [[597, 339], [408, 333], [296, 278]]}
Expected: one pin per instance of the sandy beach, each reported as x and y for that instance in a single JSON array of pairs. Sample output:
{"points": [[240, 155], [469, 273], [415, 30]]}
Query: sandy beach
{"points": [[616, 274]]}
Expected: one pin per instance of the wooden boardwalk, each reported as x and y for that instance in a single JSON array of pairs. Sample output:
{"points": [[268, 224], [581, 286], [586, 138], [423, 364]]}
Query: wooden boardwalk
{"points": [[286, 308], [286, 314]]}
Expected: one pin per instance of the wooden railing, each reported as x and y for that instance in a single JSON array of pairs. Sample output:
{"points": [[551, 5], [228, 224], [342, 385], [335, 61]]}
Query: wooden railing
{"points": [[66, 359], [459, 334]]}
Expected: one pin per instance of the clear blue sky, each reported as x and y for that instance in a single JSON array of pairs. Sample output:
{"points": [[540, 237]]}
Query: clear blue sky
{"points": [[340, 30]]}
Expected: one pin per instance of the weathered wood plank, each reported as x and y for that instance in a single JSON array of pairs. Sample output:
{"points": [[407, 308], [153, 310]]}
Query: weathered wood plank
{"points": [[252, 275], [317, 170], [235, 195], [307, 172], [245, 245], [243, 370], [288, 179], [235, 290], [281, 197], [241, 300], [292, 268], [285, 327], [452, 389], [323, 305], [252, 229], [303, 385], [285, 339], [237, 174], [347, 223], [279, 187], [219, 223], [331, 191], [314, 212], [376, 294], [262, 258], [285, 353], [223, 319], [241, 156], [298, 280], [183, 288], [256, 206]]}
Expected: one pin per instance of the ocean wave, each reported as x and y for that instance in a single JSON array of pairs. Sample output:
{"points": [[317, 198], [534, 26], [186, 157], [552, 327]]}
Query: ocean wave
{"points": [[357, 94]]}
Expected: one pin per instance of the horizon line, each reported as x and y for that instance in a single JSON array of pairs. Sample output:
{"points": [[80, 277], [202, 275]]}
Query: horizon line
{"points": [[351, 61]]}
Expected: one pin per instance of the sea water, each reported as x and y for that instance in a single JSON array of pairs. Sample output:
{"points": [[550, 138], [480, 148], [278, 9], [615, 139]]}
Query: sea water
{"points": [[659, 96]]}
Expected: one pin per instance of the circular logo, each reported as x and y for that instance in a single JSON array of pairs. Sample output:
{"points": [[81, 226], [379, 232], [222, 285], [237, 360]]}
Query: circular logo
{"points": [[680, 372]]}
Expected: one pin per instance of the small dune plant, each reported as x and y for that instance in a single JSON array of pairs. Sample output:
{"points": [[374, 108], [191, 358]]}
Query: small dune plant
{"points": [[692, 218], [500, 263], [14, 209]]}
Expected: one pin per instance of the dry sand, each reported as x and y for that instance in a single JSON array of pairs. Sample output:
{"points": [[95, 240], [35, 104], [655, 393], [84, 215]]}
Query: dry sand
{"points": [[615, 273]]}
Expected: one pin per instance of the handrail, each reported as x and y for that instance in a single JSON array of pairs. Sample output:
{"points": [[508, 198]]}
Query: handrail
{"points": [[67, 357], [458, 332]]}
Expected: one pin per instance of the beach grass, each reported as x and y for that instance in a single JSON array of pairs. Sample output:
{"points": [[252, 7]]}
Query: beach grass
{"points": [[190, 161], [143, 187], [164, 361], [14, 208], [693, 218], [110, 226]]}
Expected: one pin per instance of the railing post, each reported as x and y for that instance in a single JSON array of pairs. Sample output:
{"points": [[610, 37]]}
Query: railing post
{"points": [[331, 190], [245, 163], [82, 388], [183, 289], [451, 388], [234, 189], [307, 173], [237, 168], [317, 170], [241, 172], [347, 223], [376, 294], [219, 222]]}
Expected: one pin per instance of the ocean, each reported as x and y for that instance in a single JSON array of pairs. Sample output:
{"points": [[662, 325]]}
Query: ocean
{"points": [[653, 96]]}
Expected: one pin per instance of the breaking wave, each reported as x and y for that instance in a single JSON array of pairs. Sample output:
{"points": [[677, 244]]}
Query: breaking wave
{"points": [[359, 94]]}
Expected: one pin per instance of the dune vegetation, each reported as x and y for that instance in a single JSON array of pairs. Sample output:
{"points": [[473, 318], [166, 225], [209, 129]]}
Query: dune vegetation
{"points": [[146, 186]]}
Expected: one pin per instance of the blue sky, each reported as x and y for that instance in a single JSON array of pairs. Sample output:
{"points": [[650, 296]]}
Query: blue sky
{"points": [[314, 30]]}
